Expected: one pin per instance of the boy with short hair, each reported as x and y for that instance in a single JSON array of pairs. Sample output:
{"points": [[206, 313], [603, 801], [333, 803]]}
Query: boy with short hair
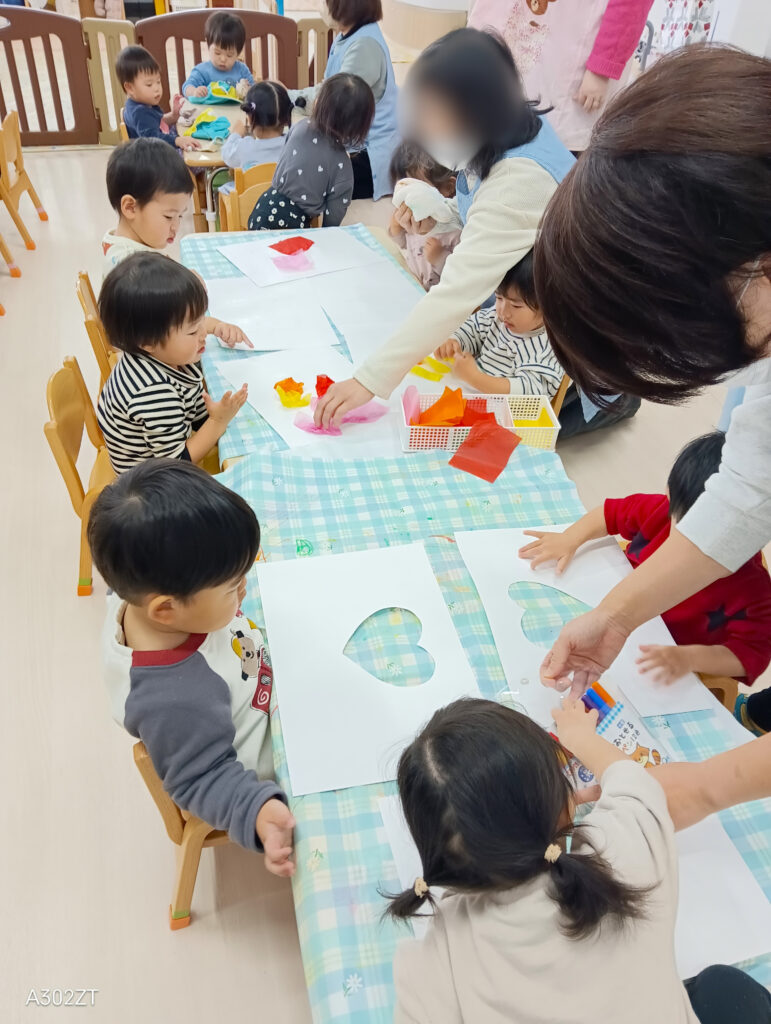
{"points": [[723, 630], [140, 77], [186, 671], [225, 39]]}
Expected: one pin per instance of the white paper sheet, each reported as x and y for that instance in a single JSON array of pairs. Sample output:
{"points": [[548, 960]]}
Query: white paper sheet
{"points": [[333, 249], [272, 318], [491, 557], [723, 915], [342, 726]]}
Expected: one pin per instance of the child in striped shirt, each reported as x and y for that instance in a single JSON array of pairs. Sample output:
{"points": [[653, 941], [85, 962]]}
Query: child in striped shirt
{"points": [[505, 350], [154, 404]]}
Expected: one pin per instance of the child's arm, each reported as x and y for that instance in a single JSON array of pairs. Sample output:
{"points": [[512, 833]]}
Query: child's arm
{"points": [[172, 116], [560, 547], [196, 83], [339, 200], [667, 663], [576, 728], [200, 443], [467, 370], [396, 231], [229, 333]]}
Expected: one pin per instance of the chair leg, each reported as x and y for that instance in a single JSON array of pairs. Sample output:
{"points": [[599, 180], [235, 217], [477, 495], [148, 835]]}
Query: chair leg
{"points": [[5, 252], [84, 568], [190, 848], [36, 201], [16, 218]]}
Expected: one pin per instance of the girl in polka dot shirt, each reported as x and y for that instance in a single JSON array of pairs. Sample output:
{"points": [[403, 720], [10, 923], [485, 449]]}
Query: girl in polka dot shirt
{"points": [[314, 175]]}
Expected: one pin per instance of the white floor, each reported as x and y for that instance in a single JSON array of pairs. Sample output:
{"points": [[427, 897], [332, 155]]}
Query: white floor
{"points": [[85, 865]]}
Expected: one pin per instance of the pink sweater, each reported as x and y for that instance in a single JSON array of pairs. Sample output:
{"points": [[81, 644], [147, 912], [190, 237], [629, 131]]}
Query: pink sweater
{"points": [[620, 30]]}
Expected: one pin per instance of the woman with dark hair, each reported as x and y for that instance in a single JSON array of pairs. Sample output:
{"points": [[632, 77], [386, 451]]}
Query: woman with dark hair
{"points": [[653, 271], [467, 109]]}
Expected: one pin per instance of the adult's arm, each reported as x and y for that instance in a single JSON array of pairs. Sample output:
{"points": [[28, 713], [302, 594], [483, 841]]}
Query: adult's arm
{"points": [[618, 36], [499, 232]]}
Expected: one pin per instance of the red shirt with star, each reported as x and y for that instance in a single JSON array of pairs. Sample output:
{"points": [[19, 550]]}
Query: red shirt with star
{"points": [[734, 611]]}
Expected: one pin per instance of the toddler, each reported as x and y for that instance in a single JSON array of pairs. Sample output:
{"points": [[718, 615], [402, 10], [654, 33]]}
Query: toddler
{"points": [[140, 77], [186, 672], [260, 138], [314, 175], [225, 38], [416, 177], [505, 350], [149, 189], [154, 404], [543, 920], [723, 630]]}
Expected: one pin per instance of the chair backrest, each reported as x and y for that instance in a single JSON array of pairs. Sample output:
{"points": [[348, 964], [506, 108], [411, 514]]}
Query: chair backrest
{"points": [[249, 186], [315, 39], [103, 350], [559, 398], [171, 814], [71, 411], [122, 129]]}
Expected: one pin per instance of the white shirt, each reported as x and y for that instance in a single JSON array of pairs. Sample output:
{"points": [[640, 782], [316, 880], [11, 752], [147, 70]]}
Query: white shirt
{"points": [[116, 248]]}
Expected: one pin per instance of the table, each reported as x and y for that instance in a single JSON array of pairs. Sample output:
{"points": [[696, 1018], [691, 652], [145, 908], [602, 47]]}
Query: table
{"points": [[209, 161], [311, 508]]}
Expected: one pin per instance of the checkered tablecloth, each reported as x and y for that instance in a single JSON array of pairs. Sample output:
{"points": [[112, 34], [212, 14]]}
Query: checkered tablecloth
{"points": [[312, 508]]}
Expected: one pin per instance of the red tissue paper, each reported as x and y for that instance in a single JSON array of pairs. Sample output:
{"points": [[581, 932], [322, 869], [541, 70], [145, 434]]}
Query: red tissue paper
{"points": [[323, 384], [289, 246], [486, 451]]}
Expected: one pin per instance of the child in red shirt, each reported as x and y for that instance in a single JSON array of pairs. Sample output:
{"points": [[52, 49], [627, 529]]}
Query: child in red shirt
{"points": [[724, 629]]}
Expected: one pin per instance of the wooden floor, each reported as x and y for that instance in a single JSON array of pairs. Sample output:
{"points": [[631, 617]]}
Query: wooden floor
{"points": [[86, 868]]}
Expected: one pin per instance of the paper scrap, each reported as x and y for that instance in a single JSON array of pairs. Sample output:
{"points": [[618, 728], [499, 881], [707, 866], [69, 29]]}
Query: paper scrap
{"points": [[486, 451], [290, 246]]}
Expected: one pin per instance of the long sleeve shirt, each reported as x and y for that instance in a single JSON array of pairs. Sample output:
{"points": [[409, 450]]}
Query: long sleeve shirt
{"points": [[315, 174], [144, 122], [205, 73], [246, 151]]}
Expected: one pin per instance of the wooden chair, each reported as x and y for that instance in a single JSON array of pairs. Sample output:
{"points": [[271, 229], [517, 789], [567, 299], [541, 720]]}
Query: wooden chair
{"points": [[103, 350], [236, 206], [124, 135], [723, 687], [190, 834], [5, 252], [71, 411], [559, 398], [14, 180]]}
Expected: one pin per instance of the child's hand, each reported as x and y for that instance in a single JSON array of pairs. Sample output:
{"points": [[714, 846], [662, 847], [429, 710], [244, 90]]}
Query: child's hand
{"points": [[466, 369], [574, 724], [184, 142], [230, 334], [448, 349], [222, 412], [433, 250], [548, 547], [176, 104], [412, 226], [242, 88], [198, 90], [592, 91], [665, 663], [274, 827]]}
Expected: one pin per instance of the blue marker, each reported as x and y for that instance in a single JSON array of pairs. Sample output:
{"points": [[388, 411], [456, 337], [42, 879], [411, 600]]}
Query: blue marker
{"points": [[591, 700]]}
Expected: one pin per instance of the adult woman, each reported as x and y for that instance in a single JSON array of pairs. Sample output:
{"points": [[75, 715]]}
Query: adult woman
{"points": [[467, 109], [653, 271]]}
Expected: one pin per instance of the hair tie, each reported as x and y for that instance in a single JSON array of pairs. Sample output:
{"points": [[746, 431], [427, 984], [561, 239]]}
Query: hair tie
{"points": [[552, 853], [420, 888]]}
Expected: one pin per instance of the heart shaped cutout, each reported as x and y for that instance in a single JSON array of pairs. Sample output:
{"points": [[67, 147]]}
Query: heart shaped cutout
{"points": [[386, 645], [545, 610]]}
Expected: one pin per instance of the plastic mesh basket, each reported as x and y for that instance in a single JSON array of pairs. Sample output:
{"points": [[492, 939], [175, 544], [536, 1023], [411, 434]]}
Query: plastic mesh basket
{"points": [[507, 409]]}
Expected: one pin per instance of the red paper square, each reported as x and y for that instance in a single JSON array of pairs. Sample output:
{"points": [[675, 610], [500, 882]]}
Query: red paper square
{"points": [[289, 246], [486, 451]]}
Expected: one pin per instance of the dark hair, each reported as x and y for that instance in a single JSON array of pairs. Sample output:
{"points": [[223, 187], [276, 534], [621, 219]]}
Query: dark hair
{"points": [[638, 244], [145, 168], [355, 13], [147, 295], [344, 109], [475, 72], [168, 527], [484, 793], [267, 105], [520, 278], [132, 61], [225, 30], [695, 464], [409, 160]]}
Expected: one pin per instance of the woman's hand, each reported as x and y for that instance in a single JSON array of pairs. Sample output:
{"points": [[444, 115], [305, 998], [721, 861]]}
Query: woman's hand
{"points": [[448, 349], [340, 399], [548, 547], [666, 664], [412, 226], [592, 91], [586, 647]]}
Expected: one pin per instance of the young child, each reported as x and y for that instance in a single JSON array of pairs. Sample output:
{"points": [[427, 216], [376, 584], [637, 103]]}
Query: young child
{"points": [[314, 174], [723, 630], [154, 404], [260, 138], [186, 672], [505, 350], [543, 920], [140, 76], [225, 38], [416, 177], [149, 189]]}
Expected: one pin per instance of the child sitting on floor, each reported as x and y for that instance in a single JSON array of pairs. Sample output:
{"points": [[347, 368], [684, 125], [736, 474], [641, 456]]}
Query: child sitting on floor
{"points": [[260, 138], [225, 38], [154, 404], [505, 350], [314, 175], [186, 672], [542, 920], [140, 77], [723, 630], [149, 189], [422, 188]]}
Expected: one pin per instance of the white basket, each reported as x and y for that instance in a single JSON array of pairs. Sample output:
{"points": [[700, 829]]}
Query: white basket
{"points": [[507, 409]]}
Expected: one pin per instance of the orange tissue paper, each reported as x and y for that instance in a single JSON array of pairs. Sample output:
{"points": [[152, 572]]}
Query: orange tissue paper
{"points": [[447, 411], [486, 451]]}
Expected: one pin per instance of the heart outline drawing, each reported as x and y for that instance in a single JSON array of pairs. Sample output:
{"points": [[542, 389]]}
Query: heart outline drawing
{"points": [[386, 645], [545, 610]]}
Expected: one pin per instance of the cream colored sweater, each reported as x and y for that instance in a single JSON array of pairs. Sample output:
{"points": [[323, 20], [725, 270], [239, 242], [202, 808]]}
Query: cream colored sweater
{"points": [[502, 959], [499, 232]]}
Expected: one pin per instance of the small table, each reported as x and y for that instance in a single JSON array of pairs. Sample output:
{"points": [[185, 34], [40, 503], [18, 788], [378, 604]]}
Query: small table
{"points": [[209, 161]]}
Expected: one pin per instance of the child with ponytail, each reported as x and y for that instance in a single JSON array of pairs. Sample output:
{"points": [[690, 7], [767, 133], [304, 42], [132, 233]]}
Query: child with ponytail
{"points": [[259, 139], [542, 920]]}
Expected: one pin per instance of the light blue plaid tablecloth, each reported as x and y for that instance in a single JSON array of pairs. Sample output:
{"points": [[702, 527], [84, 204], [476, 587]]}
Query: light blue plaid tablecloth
{"points": [[312, 508]]}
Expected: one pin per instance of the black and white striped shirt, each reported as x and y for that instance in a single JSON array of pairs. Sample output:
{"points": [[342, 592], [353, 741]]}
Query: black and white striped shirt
{"points": [[526, 359], [148, 410]]}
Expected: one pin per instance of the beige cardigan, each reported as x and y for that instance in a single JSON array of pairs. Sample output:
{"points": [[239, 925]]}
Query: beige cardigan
{"points": [[499, 232]]}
